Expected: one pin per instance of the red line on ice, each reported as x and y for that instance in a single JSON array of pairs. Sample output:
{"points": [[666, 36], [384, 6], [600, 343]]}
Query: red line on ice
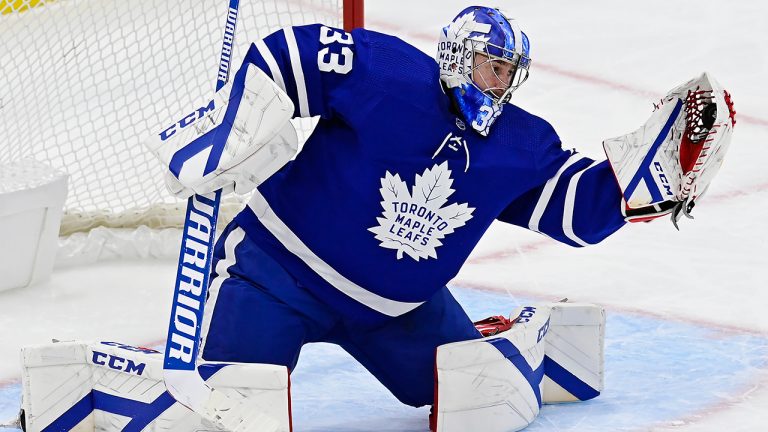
{"points": [[506, 253], [738, 193], [725, 329], [9, 382]]}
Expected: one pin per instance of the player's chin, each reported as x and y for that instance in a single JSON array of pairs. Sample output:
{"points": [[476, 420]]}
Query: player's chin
{"points": [[497, 93]]}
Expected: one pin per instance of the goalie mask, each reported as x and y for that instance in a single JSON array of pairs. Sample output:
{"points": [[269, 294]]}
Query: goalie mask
{"points": [[483, 57]]}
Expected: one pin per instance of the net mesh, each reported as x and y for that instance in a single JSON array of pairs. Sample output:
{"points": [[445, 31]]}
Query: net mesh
{"points": [[87, 81]]}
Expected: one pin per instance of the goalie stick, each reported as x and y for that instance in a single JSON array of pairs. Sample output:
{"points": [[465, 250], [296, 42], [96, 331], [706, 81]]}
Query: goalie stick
{"points": [[180, 375]]}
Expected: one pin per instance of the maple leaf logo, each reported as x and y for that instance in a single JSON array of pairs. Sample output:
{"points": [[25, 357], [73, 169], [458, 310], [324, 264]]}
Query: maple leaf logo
{"points": [[414, 223], [465, 25]]}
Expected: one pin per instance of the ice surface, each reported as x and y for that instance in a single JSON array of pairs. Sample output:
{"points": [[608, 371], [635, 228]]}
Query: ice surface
{"points": [[687, 322], [658, 371]]}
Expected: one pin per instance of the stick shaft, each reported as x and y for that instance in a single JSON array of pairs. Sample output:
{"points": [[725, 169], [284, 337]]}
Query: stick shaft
{"points": [[194, 269]]}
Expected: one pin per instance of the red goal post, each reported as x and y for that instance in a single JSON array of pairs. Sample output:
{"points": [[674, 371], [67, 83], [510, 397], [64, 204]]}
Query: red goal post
{"points": [[88, 80], [354, 15]]}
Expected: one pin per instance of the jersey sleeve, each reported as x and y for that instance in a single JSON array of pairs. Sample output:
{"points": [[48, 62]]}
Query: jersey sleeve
{"points": [[577, 200], [313, 64]]}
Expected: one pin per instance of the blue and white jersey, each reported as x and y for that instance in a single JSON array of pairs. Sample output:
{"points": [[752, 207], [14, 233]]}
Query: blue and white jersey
{"points": [[392, 191]]}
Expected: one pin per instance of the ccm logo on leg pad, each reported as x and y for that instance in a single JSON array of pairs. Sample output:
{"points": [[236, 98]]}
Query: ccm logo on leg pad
{"points": [[117, 363]]}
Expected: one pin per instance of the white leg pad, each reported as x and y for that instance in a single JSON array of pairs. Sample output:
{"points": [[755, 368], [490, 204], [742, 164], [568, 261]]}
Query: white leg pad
{"points": [[495, 382], [573, 362], [107, 386], [553, 353]]}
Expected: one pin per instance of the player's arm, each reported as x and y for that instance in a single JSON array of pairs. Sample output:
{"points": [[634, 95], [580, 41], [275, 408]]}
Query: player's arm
{"points": [[312, 64], [577, 200], [663, 167], [241, 136]]}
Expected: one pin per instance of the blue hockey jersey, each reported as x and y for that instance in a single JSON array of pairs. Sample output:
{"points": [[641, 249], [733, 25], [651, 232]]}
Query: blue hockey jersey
{"points": [[393, 190]]}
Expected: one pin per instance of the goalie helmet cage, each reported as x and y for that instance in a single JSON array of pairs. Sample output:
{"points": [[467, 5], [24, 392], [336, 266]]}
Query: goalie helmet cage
{"points": [[87, 81]]}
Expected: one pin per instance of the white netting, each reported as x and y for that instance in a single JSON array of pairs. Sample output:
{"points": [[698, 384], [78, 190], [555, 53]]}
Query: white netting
{"points": [[86, 81]]}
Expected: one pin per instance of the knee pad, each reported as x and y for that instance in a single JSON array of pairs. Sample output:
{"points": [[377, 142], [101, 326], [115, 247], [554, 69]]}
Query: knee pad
{"points": [[553, 353]]}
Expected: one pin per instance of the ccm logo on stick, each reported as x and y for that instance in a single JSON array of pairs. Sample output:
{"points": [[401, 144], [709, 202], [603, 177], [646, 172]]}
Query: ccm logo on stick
{"points": [[187, 120], [117, 363]]}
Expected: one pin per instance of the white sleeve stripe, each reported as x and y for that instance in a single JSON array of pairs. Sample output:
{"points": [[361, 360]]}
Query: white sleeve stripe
{"points": [[222, 273], [570, 203], [546, 193], [274, 70], [298, 72], [259, 205]]}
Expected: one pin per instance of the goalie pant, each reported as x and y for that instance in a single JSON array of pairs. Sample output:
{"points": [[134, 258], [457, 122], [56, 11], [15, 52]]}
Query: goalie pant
{"points": [[258, 313]]}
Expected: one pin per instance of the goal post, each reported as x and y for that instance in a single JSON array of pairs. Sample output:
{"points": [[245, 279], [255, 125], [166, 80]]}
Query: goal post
{"points": [[354, 14], [88, 80]]}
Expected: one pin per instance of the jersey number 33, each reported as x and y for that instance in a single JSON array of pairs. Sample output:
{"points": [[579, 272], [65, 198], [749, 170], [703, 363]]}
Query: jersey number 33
{"points": [[335, 56]]}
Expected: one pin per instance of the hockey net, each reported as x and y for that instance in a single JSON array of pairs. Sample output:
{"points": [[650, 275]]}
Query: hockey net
{"points": [[87, 81]]}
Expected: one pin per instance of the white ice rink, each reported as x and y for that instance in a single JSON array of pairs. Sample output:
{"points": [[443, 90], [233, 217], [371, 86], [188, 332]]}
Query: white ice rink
{"points": [[687, 342]]}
